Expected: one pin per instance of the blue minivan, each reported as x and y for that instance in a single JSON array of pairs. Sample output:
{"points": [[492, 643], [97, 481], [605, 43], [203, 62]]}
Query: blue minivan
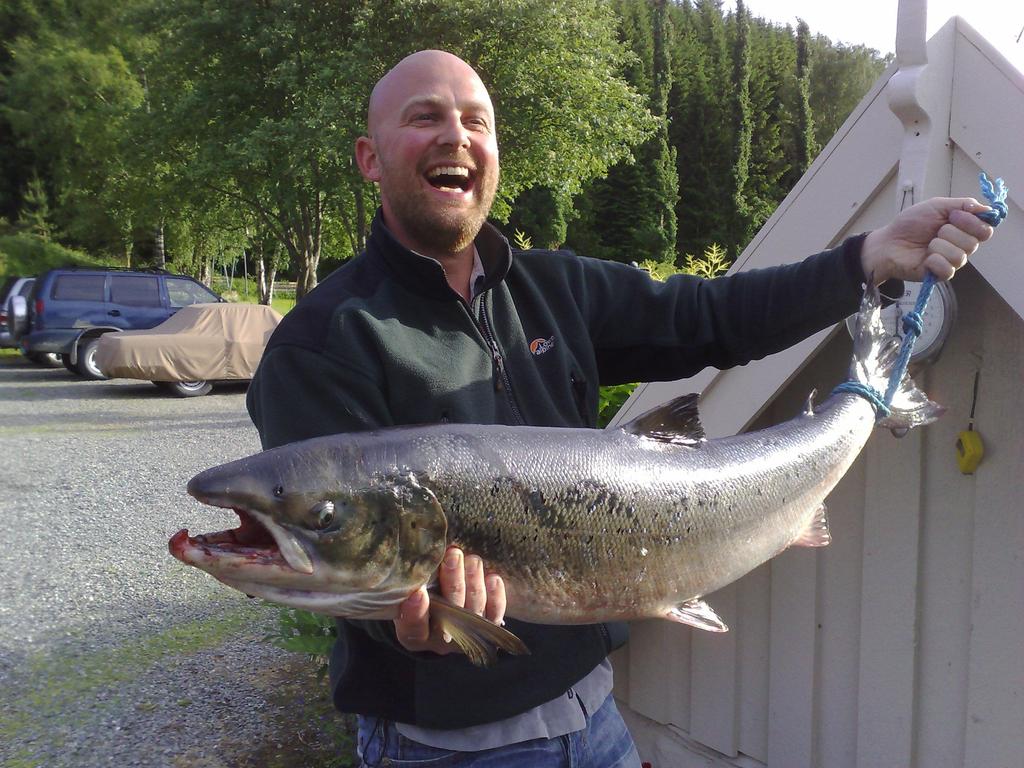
{"points": [[71, 307]]}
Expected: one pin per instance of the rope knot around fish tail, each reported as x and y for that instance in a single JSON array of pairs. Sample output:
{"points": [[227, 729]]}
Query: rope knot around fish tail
{"points": [[913, 322], [870, 394]]}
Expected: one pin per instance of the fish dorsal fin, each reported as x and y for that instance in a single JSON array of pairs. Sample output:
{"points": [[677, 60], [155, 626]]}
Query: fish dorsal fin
{"points": [[676, 421], [816, 534], [809, 408], [697, 614]]}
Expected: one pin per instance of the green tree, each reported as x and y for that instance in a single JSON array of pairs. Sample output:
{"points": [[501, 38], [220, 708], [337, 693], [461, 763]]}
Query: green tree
{"points": [[839, 79], [699, 127], [203, 239], [69, 93], [565, 113], [540, 215], [806, 146], [261, 103], [742, 121], [70, 105], [206, 120], [773, 54], [17, 164], [660, 224], [631, 213], [35, 211], [738, 118]]}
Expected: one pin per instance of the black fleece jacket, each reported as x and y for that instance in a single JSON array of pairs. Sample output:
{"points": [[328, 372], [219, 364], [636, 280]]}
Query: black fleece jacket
{"points": [[384, 341]]}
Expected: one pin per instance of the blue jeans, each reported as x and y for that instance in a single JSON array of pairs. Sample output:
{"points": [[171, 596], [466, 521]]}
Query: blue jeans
{"points": [[603, 743]]}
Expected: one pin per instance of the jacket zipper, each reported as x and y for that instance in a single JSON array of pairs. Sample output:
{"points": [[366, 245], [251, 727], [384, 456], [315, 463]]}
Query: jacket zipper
{"points": [[502, 382]]}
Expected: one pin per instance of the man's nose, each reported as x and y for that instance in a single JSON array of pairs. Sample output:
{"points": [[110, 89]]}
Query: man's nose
{"points": [[454, 133]]}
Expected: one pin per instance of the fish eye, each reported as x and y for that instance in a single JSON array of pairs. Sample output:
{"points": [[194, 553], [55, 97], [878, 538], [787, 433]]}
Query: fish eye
{"points": [[278, 491], [324, 514]]}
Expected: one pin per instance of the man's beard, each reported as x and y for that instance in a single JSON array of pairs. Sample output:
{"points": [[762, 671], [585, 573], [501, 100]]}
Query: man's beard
{"points": [[442, 229], [445, 230]]}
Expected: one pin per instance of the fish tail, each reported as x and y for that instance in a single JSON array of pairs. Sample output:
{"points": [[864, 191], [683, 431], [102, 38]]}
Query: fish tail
{"points": [[876, 356]]}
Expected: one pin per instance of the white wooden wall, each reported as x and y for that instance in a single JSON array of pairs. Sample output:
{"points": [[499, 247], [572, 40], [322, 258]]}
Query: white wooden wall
{"points": [[902, 643]]}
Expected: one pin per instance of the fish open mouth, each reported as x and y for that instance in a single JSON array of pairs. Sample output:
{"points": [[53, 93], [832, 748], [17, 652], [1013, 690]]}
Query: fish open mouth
{"points": [[252, 559], [250, 541]]}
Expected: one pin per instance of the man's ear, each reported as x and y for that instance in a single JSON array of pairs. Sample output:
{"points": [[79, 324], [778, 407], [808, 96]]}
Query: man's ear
{"points": [[366, 158]]}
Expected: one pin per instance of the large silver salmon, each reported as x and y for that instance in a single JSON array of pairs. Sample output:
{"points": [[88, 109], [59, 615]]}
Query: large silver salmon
{"points": [[583, 525]]}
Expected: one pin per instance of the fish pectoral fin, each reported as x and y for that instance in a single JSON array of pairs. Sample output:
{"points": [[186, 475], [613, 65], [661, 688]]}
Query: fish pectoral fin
{"points": [[676, 422], [476, 637], [816, 534], [697, 614]]}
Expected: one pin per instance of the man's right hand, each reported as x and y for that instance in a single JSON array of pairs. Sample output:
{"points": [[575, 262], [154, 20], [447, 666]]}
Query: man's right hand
{"points": [[463, 583], [935, 235]]}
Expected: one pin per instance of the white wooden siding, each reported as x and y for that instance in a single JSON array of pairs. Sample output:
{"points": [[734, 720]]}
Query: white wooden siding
{"points": [[902, 643]]}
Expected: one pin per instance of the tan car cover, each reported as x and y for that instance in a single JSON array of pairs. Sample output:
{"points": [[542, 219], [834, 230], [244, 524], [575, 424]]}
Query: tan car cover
{"points": [[200, 342]]}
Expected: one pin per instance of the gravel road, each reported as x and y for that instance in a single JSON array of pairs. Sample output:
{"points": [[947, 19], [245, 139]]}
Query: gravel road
{"points": [[111, 651]]}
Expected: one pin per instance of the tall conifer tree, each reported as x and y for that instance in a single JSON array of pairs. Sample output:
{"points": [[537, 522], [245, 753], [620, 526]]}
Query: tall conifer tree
{"points": [[630, 215], [805, 144], [663, 177], [772, 57], [740, 231]]}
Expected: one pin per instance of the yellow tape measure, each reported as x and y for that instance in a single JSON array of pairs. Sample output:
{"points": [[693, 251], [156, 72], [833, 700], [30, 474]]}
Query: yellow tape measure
{"points": [[969, 448]]}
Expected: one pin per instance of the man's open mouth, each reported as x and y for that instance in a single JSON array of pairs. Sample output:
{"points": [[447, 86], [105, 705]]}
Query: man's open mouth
{"points": [[450, 178]]}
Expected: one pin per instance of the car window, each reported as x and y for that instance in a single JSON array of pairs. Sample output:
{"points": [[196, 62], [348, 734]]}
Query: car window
{"points": [[78, 288], [182, 292], [26, 288], [135, 290]]}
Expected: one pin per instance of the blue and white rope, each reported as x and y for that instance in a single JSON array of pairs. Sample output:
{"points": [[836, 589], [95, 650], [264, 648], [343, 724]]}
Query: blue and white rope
{"points": [[913, 321]]}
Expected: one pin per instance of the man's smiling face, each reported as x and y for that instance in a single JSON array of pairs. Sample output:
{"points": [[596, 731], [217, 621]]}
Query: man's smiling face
{"points": [[434, 152]]}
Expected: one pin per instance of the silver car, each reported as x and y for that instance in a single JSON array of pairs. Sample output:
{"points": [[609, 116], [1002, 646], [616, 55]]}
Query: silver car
{"points": [[21, 287]]}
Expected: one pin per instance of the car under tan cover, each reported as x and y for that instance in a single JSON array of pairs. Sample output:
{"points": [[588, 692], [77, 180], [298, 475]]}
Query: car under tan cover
{"points": [[212, 342]]}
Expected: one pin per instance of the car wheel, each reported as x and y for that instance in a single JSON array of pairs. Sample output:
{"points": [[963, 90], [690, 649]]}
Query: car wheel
{"points": [[87, 367], [66, 360], [47, 359], [188, 388]]}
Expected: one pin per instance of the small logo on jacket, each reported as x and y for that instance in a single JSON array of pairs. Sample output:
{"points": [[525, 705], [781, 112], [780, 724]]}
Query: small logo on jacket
{"points": [[540, 346]]}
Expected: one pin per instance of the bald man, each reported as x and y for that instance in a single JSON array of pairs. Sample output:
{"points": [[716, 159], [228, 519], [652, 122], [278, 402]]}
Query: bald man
{"points": [[433, 149], [438, 321]]}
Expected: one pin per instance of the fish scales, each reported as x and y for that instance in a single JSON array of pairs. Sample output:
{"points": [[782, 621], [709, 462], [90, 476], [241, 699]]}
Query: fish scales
{"points": [[584, 522]]}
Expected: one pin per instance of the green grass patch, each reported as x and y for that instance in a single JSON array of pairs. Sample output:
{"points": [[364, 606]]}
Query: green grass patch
{"points": [[283, 305], [64, 427], [302, 727], [60, 681], [241, 290], [22, 759]]}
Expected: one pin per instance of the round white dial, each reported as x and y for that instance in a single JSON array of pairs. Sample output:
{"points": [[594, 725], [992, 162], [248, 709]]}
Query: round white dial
{"points": [[936, 320]]}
